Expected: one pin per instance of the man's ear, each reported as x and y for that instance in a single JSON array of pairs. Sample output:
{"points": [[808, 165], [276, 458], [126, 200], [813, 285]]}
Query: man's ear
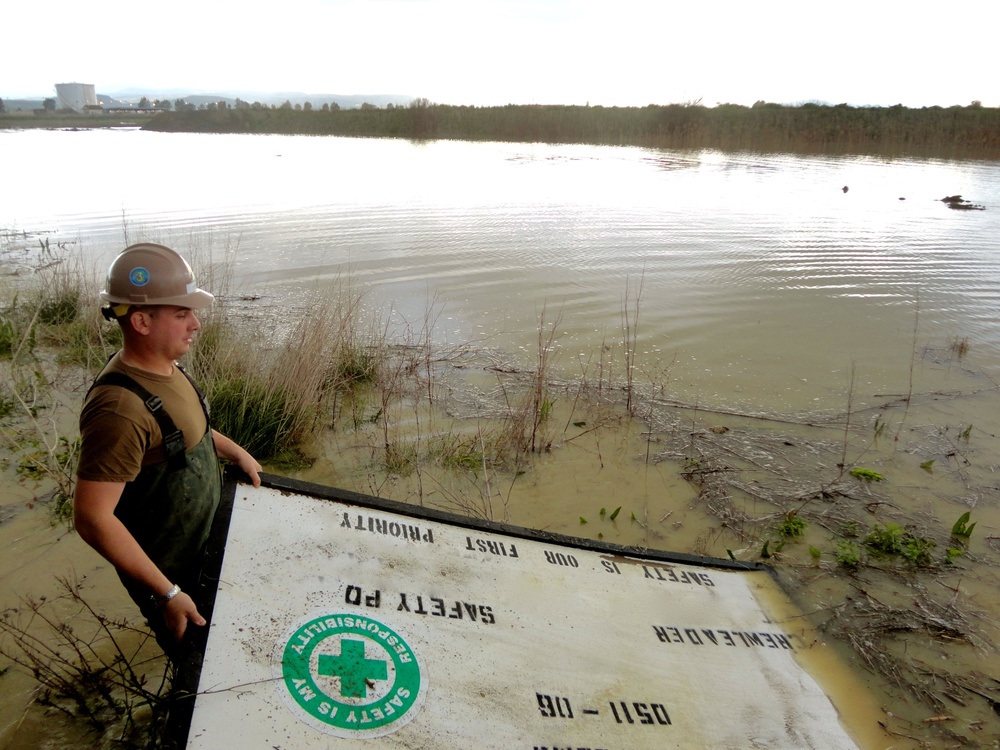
{"points": [[138, 321]]}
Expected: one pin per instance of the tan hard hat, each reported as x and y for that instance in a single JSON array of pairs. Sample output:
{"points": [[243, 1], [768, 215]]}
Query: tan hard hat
{"points": [[150, 274]]}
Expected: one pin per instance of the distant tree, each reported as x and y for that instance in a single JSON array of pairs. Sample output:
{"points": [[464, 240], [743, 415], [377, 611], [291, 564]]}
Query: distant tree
{"points": [[180, 105], [308, 107], [334, 107], [287, 105], [258, 105], [240, 104], [165, 104], [298, 107], [366, 105], [211, 105], [2, 108], [423, 117], [143, 103], [976, 104], [49, 104], [324, 108]]}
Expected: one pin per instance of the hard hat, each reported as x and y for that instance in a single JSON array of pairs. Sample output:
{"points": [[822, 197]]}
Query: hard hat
{"points": [[150, 274]]}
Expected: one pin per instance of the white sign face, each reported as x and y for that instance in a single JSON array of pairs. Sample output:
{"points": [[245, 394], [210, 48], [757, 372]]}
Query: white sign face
{"points": [[346, 626]]}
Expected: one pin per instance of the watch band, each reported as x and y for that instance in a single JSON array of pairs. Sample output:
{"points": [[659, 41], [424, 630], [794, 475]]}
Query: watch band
{"points": [[162, 600]]}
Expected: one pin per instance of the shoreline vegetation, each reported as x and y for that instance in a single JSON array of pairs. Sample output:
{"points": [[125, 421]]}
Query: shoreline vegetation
{"points": [[956, 132]]}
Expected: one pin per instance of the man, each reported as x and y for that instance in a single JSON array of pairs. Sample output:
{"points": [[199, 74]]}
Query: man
{"points": [[148, 482]]}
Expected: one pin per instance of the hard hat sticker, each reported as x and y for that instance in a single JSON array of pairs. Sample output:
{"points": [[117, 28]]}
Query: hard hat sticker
{"points": [[139, 276], [350, 676]]}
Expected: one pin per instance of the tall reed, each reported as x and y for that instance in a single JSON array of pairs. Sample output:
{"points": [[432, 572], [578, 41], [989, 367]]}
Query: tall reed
{"points": [[268, 388]]}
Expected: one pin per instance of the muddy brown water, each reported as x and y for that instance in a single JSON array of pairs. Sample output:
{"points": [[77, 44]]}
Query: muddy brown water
{"points": [[784, 327]]}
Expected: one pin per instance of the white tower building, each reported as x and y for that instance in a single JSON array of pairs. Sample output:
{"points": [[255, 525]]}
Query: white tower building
{"points": [[75, 96]]}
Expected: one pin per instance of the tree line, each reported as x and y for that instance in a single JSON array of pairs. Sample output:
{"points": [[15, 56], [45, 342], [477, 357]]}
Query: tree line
{"points": [[948, 132]]}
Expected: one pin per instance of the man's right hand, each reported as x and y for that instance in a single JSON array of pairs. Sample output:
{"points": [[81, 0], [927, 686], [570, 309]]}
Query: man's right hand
{"points": [[180, 611]]}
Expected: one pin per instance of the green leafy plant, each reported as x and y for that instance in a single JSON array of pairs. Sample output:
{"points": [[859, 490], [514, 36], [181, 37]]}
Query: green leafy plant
{"points": [[951, 554], [962, 529], [793, 526], [885, 540], [848, 554], [892, 539], [866, 475], [916, 550]]}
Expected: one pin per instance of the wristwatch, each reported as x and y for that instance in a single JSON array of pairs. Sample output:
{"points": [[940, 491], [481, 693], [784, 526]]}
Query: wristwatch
{"points": [[161, 601]]}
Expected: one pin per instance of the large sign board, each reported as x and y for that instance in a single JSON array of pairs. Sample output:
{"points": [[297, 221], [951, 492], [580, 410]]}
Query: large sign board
{"points": [[343, 621]]}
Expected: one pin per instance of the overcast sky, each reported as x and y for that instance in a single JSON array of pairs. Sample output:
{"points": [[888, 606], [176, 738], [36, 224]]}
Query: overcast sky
{"points": [[482, 52]]}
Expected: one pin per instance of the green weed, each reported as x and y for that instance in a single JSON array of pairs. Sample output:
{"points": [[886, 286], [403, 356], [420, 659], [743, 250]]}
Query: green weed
{"points": [[848, 554], [400, 459], [460, 453], [59, 312], [962, 529], [885, 540], [951, 554], [892, 539], [866, 475], [260, 417], [793, 526]]}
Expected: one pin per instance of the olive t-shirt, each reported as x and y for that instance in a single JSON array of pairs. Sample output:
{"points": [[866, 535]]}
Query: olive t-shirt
{"points": [[120, 436]]}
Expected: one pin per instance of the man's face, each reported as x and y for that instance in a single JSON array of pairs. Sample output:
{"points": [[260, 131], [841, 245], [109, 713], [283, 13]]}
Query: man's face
{"points": [[172, 329]]}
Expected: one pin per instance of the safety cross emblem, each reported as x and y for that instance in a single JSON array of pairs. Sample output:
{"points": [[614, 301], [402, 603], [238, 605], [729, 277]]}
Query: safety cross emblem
{"points": [[350, 676]]}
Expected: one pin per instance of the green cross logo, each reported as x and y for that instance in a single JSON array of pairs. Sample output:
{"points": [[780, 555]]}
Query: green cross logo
{"points": [[350, 676], [353, 669]]}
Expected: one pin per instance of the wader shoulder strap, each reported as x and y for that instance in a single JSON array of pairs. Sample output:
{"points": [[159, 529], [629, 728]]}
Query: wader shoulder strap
{"points": [[173, 439], [201, 396]]}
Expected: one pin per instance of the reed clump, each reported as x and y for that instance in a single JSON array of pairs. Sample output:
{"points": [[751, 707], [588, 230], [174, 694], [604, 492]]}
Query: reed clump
{"points": [[51, 343], [268, 390]]}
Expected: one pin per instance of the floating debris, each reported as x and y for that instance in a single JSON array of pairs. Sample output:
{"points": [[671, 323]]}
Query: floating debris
{"points": [[960, 204]]}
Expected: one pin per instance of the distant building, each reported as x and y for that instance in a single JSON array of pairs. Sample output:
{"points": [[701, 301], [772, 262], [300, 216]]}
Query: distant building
{"points": [[76, 96]]}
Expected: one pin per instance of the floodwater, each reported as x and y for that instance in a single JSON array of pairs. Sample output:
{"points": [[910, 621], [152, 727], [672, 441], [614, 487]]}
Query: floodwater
{"points": [[774, 305]]}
